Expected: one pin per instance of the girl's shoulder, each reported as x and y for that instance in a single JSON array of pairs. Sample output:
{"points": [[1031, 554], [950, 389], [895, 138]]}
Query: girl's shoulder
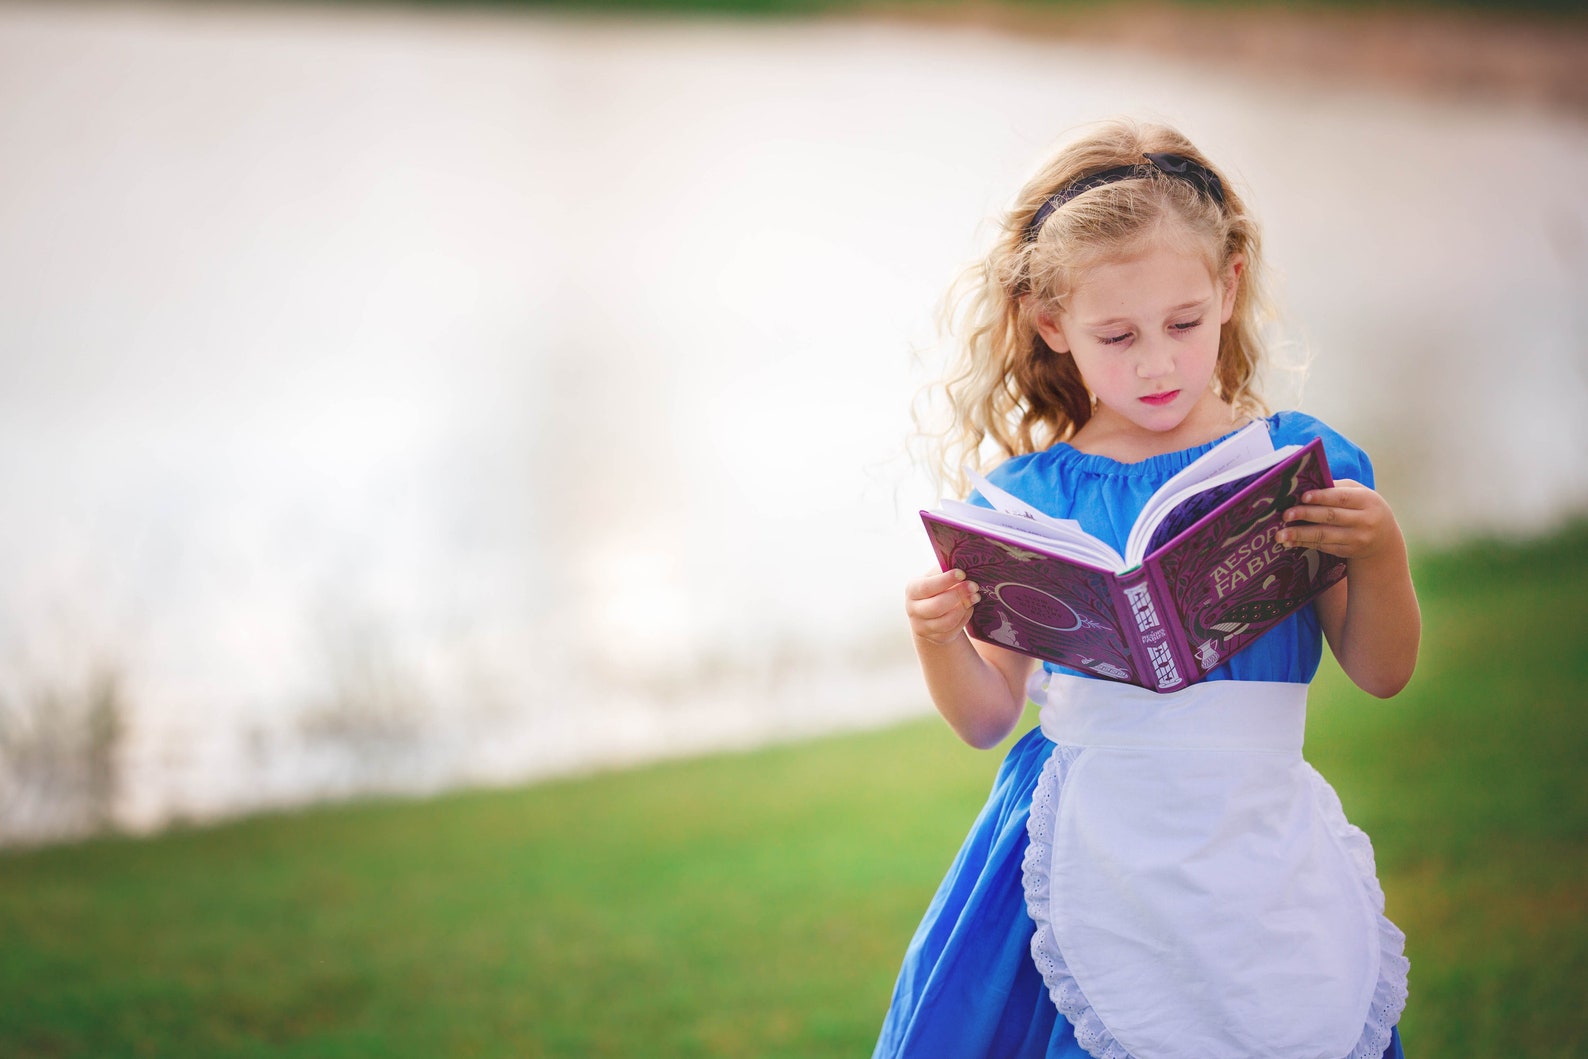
{"points": [[1346, 458]]}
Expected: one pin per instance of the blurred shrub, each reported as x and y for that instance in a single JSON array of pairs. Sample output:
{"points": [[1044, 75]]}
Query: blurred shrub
{"points": [[59, 756]]}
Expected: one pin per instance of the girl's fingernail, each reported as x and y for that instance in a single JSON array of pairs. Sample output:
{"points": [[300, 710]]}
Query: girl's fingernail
{"points": [[959, 575]]}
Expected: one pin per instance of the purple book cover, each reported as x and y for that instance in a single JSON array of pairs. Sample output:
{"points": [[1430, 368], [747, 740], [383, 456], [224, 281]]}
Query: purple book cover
{"points": [[1214, 581], [1224, 577], [1038, 604]]}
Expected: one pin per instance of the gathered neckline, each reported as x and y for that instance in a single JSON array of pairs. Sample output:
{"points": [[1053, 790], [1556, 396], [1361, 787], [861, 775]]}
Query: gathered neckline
{"points": [[1151, 466]]}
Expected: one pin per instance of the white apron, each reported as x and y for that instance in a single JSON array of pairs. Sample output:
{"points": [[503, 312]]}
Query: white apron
{"points": [[1197, 890]]}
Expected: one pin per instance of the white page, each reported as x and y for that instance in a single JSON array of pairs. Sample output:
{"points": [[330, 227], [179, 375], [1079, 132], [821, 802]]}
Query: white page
{"points": [[1249, 443], [1082, 544], [1245, 445], [1058, 536], [1142, 531], [1008, 503]]}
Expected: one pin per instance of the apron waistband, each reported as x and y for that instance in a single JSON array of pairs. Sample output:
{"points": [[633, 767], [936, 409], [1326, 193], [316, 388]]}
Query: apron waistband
{"points": [[1213, 715]]}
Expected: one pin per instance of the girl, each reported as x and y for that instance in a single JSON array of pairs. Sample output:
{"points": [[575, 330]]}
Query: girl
{"points": [[1165, 871]]}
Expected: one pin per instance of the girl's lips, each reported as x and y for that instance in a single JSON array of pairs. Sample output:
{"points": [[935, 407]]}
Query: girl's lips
{"points": [[1162, 398]]}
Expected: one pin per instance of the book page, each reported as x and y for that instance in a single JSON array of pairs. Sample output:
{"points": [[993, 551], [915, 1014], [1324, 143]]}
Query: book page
{"points": [[1010, 504], [1010, 513], [1063, 537], [1246, 446], [1170, 514], [1248, 443]]}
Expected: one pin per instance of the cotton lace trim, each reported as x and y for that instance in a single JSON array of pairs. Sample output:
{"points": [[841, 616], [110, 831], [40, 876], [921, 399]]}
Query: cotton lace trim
{"points": [[1389, 996]]}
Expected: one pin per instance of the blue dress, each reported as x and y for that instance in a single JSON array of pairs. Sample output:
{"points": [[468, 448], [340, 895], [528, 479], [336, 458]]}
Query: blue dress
{"points": [[968, 987]]}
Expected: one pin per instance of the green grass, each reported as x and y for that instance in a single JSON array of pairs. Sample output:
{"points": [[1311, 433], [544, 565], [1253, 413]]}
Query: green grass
{"points": [[1472, 786], [758, 904]]}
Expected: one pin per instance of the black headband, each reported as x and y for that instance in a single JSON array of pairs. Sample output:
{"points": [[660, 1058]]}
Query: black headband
{"points": [[1196, 174]]}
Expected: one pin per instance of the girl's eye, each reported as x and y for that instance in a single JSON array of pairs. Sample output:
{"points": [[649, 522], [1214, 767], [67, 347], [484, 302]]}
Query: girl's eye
{"points": [[1188, 325], [1113, 340]]}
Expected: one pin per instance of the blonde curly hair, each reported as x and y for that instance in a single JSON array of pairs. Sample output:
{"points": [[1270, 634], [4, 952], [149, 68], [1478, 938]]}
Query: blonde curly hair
{"points": [[1005, 386]]}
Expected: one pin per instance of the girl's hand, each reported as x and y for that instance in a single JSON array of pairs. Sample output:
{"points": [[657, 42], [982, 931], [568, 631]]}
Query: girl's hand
{"points": [[979, 688], [1371, 618], [939, 605], [1350, 520]]}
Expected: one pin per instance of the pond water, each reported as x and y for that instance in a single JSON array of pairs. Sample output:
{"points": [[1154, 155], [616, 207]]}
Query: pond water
{"points": [[392, 401]]}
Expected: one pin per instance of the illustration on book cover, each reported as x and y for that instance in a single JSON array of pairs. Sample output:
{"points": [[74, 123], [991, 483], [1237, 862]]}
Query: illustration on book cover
{"points": [[1054, 608], [1240, 579]]}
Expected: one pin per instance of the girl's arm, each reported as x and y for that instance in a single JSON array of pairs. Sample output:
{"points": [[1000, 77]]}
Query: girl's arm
{"points": [[979, 689], [1370, 619]]}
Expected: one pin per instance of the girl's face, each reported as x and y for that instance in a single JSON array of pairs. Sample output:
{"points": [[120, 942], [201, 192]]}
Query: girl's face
{"points": [[1144, 332]]}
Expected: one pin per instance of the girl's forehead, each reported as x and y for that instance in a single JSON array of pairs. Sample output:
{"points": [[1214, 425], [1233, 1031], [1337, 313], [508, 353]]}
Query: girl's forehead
{"points": [[1166, 237], [1147, 271]]}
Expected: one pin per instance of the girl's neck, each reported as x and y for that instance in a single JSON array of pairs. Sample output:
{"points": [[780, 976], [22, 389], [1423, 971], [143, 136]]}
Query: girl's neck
{"points": [[1114, 436]]}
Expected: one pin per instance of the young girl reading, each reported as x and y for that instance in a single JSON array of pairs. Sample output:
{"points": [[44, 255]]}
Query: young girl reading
{"points": [[1165, 872]]}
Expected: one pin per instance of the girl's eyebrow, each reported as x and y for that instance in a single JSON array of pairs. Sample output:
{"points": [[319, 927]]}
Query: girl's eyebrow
{"points": [[1114, 320]]}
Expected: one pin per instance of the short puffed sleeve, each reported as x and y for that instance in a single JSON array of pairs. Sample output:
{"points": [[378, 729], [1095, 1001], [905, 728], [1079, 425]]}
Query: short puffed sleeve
{"points": [[1347, 460]]}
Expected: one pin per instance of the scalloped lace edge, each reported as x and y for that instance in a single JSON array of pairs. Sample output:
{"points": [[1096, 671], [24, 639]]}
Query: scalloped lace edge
{"points": [[1389, 995]]}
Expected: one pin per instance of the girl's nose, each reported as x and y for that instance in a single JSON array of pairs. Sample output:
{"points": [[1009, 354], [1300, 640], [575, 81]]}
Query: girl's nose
{"points": [[1156, 360]]}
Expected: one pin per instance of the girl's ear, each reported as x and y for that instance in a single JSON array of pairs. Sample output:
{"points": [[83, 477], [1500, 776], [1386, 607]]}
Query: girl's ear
{"points": [[1051, 333], [1231, 284]]}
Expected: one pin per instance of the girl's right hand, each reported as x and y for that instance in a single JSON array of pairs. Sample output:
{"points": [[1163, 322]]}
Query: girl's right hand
{"points": [[939, 605]]}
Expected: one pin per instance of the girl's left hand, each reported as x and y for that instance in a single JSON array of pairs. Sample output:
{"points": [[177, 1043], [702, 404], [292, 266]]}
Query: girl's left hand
{"points": [[1350, 520]]}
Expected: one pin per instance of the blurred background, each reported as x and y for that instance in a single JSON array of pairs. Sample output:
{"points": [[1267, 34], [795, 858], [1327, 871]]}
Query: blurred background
{"points": [[488, 402], [396, 398]]}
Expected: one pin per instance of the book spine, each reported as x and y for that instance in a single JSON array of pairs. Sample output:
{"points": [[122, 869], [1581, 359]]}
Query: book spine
{"points": [[1147, 621], [1126, 624]]}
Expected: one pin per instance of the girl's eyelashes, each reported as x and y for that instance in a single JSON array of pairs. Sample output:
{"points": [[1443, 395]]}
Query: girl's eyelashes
{"points": [[1182, 327]]}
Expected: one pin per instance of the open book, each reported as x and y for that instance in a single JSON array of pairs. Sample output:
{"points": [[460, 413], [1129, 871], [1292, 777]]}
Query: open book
{"points": [[1202, 575]]}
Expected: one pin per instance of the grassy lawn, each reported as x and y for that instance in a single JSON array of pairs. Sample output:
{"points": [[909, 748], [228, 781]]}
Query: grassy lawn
{"points": [[758, 904]]}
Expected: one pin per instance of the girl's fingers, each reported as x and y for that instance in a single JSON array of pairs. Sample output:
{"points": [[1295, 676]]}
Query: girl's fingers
{"points": [[961, 596], [1344, 493], [1347, 505], [939, 605], [1339, 531], [934, 584], [1349, 520], [1330, 505], [1299, 518], [1306, 536], [949, 584]]}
